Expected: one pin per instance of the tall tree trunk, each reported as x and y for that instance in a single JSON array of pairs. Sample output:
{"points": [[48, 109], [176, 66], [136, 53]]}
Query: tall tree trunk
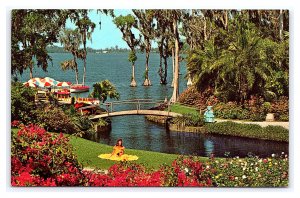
{"points": [[205, 30], [166, 70], [281, 25], [173, 67], [84, 60], [226, 20], [30, 71], [147, 81], [133, 82], [175, 95], [160, 72], [76, 69]]}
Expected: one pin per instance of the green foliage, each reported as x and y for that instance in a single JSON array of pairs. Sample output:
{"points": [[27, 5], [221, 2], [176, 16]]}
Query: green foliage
{"points": [[22, 103], [103, 90], [82, 122], [239, 63], [193, 120], [54, 119], [132, 57], [231, 111], [127, 21], [276, 133], [102, 122], [32, 31]]}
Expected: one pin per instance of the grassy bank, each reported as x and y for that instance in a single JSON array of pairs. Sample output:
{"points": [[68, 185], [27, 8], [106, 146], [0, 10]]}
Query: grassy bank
{"points": [[276, 133], [182, 109]]}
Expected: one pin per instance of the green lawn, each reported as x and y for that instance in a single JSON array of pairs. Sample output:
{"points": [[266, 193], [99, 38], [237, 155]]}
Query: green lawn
{"points": [[88, 151], [178, 108]]}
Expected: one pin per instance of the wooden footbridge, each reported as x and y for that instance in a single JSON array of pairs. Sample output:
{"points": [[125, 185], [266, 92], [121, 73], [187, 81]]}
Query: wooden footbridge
{"points": [[134, 108]]}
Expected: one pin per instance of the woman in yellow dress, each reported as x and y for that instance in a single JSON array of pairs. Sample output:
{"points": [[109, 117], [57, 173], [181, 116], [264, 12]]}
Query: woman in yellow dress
{"points": [[118, 149], [118, 153]]}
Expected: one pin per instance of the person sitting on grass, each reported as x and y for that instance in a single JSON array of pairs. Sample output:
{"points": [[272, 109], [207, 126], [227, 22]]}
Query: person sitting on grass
{"points": [[118, 153], [118, 149]]}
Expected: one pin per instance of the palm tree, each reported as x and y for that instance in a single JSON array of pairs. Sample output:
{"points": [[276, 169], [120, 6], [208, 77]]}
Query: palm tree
{"points": [[104, 89], [235, 69], [71, 40]]}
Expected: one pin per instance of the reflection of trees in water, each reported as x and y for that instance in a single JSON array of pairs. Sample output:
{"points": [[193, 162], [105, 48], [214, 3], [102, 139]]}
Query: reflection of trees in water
{"points": [[209, 147], [186, 143]]}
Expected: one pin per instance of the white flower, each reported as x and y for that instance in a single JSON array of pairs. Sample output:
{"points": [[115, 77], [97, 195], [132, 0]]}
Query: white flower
{"points": [[244, 168], [273, 155], [244, 176], [186, 170], [207, 167], [236, 178], [260, 161], [256, 169], [282, 153]]}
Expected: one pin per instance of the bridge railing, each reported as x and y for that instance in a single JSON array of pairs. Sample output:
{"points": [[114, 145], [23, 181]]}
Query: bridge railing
{"points": [[136, 103]]}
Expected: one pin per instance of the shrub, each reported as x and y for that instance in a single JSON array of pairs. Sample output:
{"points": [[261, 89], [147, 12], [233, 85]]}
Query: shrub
{"points": [[39, 158], [54, 119], [186, 172], [231, 111], [102, 122], [276, 133], [280, 108], [191, 96], [189, 120], [22, 102]]}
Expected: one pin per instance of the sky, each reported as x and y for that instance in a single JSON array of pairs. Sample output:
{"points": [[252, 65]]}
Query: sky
{"points": [[109, 35]]}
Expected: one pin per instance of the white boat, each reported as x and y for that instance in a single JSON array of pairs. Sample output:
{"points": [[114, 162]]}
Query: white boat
{"points": [[78, 88]]}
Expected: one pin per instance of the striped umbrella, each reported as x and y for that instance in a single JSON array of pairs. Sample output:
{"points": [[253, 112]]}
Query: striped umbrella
{"points": [[63, 84], [34, 80], [29, 84], [44, 84]]}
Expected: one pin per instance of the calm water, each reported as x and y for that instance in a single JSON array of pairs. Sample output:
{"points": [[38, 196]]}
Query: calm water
{"points": [[136, 131]]}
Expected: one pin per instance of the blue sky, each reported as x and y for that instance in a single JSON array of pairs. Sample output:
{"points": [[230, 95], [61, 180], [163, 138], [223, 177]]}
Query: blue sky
{"points": [[109, 35]]}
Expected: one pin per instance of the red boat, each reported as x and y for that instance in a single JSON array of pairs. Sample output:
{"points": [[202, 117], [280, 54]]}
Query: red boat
{"points": [[78, 88]]}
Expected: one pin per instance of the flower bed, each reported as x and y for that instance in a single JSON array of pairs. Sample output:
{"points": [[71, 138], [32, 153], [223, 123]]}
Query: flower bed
{"points": [[44, 159]]}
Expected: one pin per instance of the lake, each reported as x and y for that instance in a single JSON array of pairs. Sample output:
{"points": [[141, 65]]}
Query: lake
{"points": [[136, 131]]}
